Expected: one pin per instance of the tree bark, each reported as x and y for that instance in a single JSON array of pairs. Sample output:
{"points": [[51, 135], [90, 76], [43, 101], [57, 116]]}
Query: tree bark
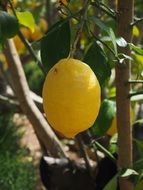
{"points": [[43, 131], [125, 17]]}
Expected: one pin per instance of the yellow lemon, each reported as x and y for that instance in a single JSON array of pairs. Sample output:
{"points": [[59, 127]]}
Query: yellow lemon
{"points": [[113, 129], [71, 97], [18, 43], [37, 34], [43, 25], [3, 60], [14, 2], [63, 2]]}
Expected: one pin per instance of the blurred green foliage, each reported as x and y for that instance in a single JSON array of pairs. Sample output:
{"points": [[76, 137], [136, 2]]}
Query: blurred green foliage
{"points": [[34, 76], [16, 171]]}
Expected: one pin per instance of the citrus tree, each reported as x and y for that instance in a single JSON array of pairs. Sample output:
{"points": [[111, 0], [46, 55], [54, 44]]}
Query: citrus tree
{"points": [[90, 56]]}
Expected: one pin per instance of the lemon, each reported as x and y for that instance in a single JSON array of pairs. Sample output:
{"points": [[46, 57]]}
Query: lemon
{"points": [[14, 2], [37, 34], [113, 129], [17, 41], [43, 25], [71, 97], [3, 61]]}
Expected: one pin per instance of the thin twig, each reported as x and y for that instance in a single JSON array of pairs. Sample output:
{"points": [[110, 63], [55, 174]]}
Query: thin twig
{"points": [[84, 154], [136, 21], [97, 145], [79, 32], [13, 10], [103, 9], [108, 8], [27, 44], [135, 93], [135, 81], [106, 152], [31, 51], [8, 100]]}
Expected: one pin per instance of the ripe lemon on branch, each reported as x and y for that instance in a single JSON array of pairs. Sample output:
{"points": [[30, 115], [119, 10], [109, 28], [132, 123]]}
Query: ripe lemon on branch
{"points": [[71, 97]]}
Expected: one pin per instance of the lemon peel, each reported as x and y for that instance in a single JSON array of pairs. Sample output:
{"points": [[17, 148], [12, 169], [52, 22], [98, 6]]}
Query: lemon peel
{"points": [[71, 97]]}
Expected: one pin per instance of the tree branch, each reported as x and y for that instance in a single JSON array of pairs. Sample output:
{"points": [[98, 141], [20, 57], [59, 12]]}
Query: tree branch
{"points": [[104, 9], [31, 51], [125, 17], [135, 93], [137, 21], [8, 100], [135, 81], [43, 131]]}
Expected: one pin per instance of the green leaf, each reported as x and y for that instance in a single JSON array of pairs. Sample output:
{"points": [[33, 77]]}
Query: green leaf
{"points": [[100, 24], [104, 150], [139, 185], [106, 114], [112, 184], [128, 172], [108, 30], [113, 39], [139, 144], [56, 44], [136, 48], [26, 18], [113, 143], [96, 59], [137, 98], [9, 25], [121, 42], [138, 165]]}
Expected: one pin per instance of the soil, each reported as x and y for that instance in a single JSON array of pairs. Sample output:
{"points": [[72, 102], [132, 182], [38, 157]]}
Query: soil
{"points": [[30, 142]]}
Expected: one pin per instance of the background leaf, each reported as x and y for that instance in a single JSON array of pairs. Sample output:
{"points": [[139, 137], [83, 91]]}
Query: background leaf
{"points": [[139, 144], [100, 24], [128, 172], [137, 98], [56, 44], [139, 185], [96, 59], [106, 114], [112, 184], [121, 42], [26, 19], [136, 31], [113, 40], [9, 25], [136, 49], [108, 30], [113, 147]]}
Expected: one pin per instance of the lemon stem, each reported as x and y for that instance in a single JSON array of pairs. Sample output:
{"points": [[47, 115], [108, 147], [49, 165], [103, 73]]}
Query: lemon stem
{"points": [[79, 31]]}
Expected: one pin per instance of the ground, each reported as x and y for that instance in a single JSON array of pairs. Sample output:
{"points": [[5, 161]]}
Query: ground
{"points": [[30, 141]]}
